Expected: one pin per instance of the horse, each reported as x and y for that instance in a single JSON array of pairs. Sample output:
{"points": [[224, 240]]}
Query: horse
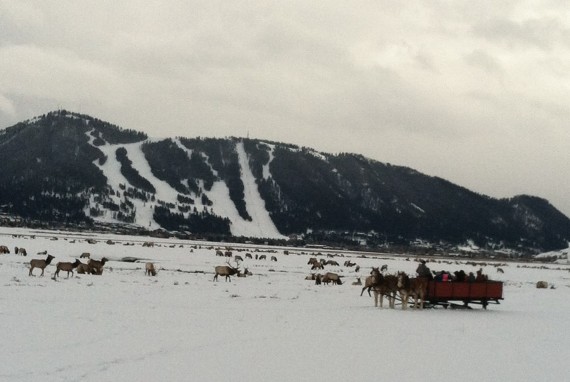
{"points": [[371, 281], [415, 287], [387, 287]]}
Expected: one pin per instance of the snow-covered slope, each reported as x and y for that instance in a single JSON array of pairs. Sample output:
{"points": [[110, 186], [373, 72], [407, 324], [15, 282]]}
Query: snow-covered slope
{"points": [[261, 224]]}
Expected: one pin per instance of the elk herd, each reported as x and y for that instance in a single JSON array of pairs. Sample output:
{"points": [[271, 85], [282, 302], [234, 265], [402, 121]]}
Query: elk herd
{"points": [[378, 284]]}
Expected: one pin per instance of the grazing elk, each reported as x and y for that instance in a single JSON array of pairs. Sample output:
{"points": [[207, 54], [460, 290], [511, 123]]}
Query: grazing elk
{"points": [[357, 282], [248, 256], [4, 249], [95, 267], [273, 258], [85, 255], [415, 287], [238, 258], [316, 264], [500, 270], [384, 268], [149, 244], [149, 269], [332, 277], [262, 257], [226, 270], [40, 263], [66, 266]]}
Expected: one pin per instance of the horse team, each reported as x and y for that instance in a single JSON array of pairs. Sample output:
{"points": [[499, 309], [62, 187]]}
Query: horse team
{"points": [[390, 286]]}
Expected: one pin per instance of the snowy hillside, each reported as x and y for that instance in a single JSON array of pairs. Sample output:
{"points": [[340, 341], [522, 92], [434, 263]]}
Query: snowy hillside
{"points": [[261, 224], [273, 325]]}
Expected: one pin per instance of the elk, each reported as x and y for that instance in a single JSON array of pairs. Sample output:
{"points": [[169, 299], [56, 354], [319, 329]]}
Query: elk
{"points": [[82, 268], [44, 252], [85, 255], [149, 269], [542, 284], [384, 268], [226, 270], [95, 267], [149, 244], [238, 258], [357, 282], [21, 251], [40, 263], [248, 256], [273, 258], [500, 270], [329, 276], [245, 273], [316, 264], [68, 267], [262, 257], [4, 249]]}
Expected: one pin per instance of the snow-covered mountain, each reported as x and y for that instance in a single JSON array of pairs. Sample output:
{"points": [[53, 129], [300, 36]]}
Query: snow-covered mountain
{"points": [[74, 169]]}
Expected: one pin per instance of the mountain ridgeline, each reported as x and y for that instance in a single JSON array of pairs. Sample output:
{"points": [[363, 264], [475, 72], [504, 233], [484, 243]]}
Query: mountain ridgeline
{"points": [[70, 169]]}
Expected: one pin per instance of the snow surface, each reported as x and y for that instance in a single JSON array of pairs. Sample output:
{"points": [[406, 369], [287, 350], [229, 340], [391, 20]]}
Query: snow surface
{"points": [[272, 326]]}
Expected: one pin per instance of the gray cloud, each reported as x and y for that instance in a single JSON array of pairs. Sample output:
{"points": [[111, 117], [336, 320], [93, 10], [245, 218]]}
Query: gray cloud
{"points": [[474, 92]]}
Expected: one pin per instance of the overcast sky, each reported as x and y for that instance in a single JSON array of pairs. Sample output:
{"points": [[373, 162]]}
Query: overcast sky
{"points": [[476, 92]]}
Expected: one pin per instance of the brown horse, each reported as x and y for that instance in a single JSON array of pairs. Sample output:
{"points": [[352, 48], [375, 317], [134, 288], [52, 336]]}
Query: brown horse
{"points": [[387, 287], [415, 287], [371, 281]]}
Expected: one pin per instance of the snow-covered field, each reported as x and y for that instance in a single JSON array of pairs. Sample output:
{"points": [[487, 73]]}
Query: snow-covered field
{"points": [[272, 326]]}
